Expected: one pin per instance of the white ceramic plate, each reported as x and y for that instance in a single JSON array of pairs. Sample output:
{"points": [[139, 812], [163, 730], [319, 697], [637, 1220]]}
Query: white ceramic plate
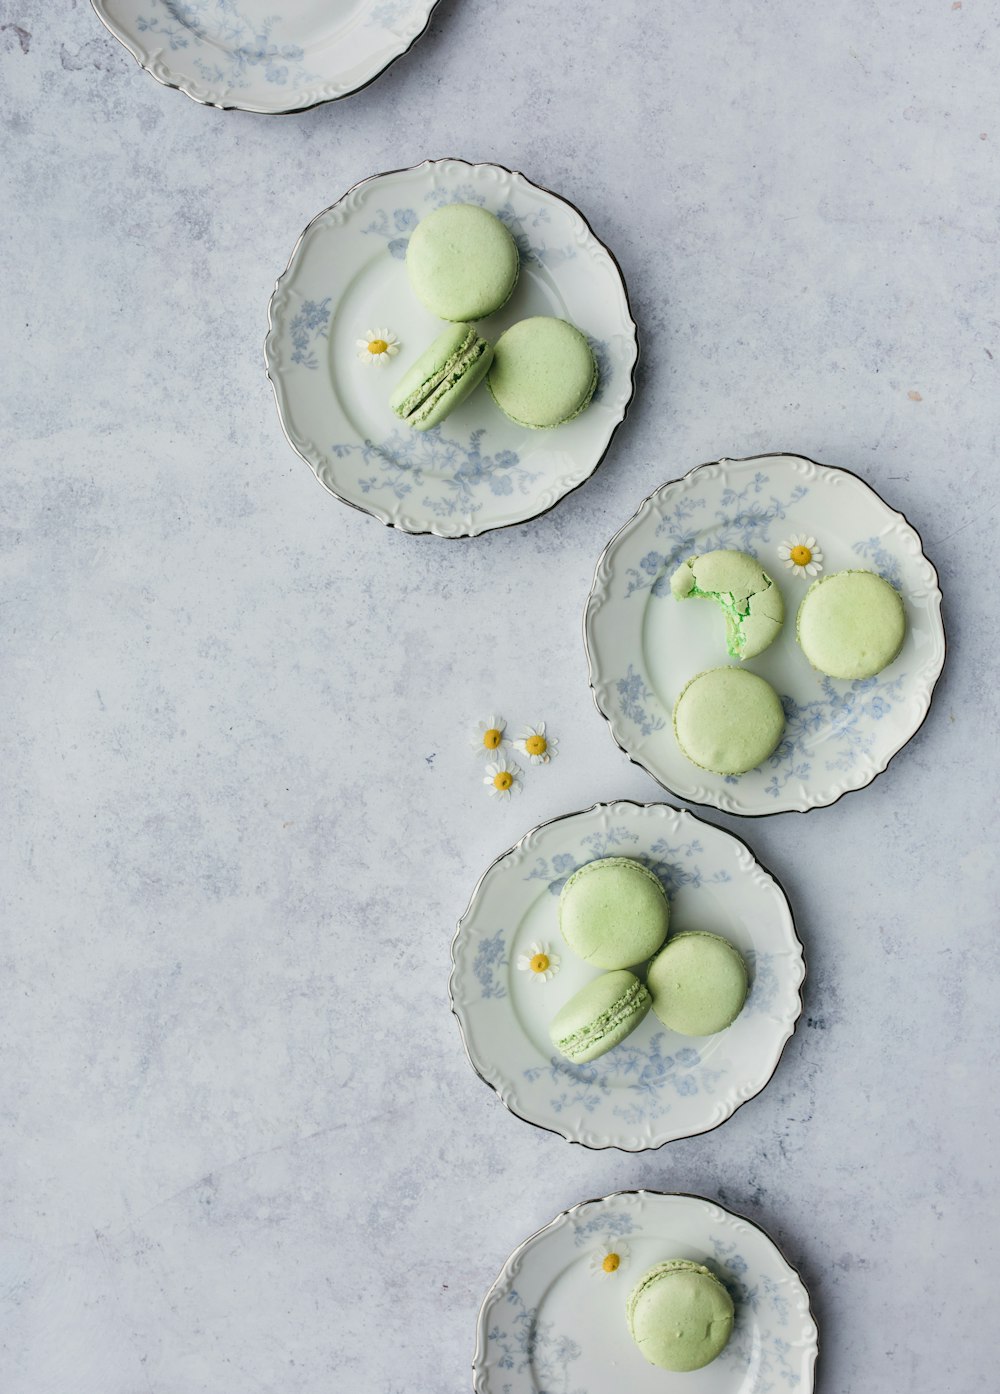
{"points": [[256, 56], [550, 1324], [477, 471], [657, 1085], [643, 646]]}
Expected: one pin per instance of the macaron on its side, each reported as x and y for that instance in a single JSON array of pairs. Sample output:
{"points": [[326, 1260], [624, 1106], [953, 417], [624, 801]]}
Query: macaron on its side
{"points": [[851, 624], [462, 262], [680, 1315], [544, 373], [614, 912], [698, 983], [728, 720], [442, 377], [752, 603], [599, 1016]]}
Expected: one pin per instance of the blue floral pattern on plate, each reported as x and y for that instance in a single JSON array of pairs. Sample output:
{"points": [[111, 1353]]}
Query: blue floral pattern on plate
{"points": [[547, 1325], [644, 647], [656, 1085], [248, 54], [479, 470]]}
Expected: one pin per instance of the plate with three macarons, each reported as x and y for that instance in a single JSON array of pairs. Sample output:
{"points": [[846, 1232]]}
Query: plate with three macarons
{"points": [[646, 1291], [764, 634], [451, 348], [627, 975]]}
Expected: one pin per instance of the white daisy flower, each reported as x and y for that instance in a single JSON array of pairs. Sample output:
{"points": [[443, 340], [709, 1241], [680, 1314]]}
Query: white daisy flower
{"points": [[540, 962], [534, 743], [503, 779], [489, 736], [378, 346], [801, 555], [609, 1259]]}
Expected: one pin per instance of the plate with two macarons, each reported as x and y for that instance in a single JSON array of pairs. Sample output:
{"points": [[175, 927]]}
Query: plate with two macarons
{"points": [[627, 975], [451, 348]]}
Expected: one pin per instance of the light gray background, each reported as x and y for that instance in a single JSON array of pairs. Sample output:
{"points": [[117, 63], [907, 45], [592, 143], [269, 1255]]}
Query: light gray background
{"points": [[242, 1149]]}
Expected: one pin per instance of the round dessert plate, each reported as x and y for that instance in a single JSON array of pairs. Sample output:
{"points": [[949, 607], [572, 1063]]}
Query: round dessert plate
{"points": [[555, 1320], [643, 646], [477, 470], [657, 1085], [240, 53]]}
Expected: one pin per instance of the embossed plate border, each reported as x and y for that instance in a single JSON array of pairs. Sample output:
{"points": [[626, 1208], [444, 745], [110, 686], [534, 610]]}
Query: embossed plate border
{"points": [[333, 88], [871, 721], [775, 1330], [676, 1086], [565, 457]]}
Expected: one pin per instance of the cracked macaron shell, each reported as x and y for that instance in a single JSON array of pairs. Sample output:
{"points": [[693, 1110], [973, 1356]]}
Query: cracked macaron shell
{"points": [[728, 720], [442, 377], [614, 912], [600, 1016], [851, 624], [750, 599], [680, 1315], [698, 983], [462, 262]]}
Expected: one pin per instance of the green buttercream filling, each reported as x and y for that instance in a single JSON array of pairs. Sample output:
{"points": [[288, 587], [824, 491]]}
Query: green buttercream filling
{"points": [[430, 392], [756, 616], [607, 1022]]}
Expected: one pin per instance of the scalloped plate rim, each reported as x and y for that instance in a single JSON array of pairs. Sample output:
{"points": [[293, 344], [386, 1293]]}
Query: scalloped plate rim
{"points": [[513, 1262], [936, 593], [137, 53], [575, 813], [274, 376]]}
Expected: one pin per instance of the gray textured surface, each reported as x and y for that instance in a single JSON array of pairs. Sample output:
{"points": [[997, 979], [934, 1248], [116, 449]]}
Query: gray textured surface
{"points": [[242, 1149]]}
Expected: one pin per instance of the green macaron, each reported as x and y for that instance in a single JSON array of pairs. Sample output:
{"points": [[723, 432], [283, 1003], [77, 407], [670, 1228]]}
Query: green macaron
{"points": [[442, 377], [544, 372], [851, 624], [462, 262], [698, 983], [613, 912], [750, 600], [680, 1315], [599, 1016], [728, 720]]}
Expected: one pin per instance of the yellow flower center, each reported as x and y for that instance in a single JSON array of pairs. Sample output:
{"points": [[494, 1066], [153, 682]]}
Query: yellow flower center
{"points": [[611, 1263], [377, 346], [800, 555], [536, 745], [503, 779], [492, 738], [539, 963]]}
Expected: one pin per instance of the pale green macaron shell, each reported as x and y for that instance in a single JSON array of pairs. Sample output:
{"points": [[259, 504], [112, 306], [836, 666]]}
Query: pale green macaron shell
{"points": [[599, 1016], [543, 373], [851, 624], [442, 377], [750, 600], [698, 983], [728, 720], [462, 262], [614, 912], [680, 1315]]}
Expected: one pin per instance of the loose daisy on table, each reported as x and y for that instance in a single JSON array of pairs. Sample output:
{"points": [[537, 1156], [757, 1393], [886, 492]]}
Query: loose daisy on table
{"points": [[378, 346], [502, 779], [534, 743], [801, 555], [540, 962], [609, 1259], [489, 736]]}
